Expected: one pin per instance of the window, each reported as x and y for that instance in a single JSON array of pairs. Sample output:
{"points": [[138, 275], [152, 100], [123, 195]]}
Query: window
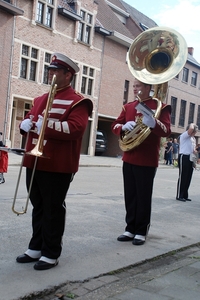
{"points": [[143, 26], [185, 74], [87, 80], [27, 107], [85, 27], [45, 10], [182, 113], [191, 113], [198, 117], [177, 76], [194, 78], [29, 62], [126, 88], [173, 113], [47, 61], [73, 82]]}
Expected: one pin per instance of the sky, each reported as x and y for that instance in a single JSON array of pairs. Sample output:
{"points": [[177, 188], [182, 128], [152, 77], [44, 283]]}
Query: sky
{"points": [[181, 15]]}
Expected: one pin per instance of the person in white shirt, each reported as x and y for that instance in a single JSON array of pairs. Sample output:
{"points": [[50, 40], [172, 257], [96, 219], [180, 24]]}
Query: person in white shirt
{"points": [[186, 157]]}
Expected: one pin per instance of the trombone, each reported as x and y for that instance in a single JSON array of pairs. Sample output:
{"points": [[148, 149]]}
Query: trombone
{"points": [[37, 151]]}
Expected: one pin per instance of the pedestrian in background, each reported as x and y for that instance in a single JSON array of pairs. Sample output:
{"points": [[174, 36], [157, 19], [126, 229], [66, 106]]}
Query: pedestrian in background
{"points": [[165, 152], [198, 153], [175, 146], [186, 160], [169, 152]]}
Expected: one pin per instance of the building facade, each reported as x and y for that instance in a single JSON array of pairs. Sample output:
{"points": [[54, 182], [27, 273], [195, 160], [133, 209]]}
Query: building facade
{"points": [[184, 97], [8, 15], [96, 34]]}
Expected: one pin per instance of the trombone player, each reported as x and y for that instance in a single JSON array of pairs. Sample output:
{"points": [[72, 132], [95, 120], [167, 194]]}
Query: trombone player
{"points": [[141, 162], [66, 123]]}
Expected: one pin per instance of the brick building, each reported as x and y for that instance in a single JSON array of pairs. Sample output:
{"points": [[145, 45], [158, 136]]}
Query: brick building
{"points": [[96, 35], [184, 95], [7, 28]]}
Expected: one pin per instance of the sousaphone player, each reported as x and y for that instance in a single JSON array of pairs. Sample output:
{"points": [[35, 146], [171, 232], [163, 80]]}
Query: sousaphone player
{"points": [[160, 50]]}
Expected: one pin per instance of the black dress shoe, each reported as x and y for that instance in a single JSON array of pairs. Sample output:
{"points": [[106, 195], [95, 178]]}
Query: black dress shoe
{"points": [[2, 180], [181, 199], [24, 258], [187, 199], [124, 238], [138, 242], [43, 265]]}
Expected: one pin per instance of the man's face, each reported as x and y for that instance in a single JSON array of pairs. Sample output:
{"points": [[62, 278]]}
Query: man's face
{"points": [[140, 89], [63, 78]]}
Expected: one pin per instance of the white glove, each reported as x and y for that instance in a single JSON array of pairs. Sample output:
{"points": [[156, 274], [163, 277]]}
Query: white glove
{"points": [[128, 126], [149, 121], [38, 124], [26, 125]]}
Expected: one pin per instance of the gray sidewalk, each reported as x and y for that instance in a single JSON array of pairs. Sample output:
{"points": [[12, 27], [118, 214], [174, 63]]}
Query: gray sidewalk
{"points": [[94, 265], [85, 160], [172, 276]]}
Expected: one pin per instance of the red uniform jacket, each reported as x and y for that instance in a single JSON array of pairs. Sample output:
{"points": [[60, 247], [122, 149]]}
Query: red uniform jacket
{"points": [[3, 162], [66, 124], [147, 153]]}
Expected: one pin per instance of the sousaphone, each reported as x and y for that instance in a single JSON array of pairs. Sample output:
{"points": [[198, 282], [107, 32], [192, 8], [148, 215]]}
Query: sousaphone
{"points": [[156, 56]]}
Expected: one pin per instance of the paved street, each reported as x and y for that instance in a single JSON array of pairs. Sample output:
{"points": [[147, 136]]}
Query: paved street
{"points": [[95, 217]]}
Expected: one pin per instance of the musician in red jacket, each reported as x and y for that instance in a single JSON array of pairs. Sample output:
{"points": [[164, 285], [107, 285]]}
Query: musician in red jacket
{"points": [[66, 123], [140, 163]]}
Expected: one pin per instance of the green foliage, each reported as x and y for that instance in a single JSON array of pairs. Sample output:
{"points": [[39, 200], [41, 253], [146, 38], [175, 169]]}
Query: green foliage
{"points": [[70, 296]]}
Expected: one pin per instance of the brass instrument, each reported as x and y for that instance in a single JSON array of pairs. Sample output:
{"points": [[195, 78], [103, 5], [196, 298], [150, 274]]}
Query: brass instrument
{"points": [[156, 56], [37, 151]]}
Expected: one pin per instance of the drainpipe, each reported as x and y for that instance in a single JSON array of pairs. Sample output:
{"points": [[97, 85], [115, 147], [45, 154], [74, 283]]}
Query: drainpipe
{"points": [[92, 142], [9, 85]]}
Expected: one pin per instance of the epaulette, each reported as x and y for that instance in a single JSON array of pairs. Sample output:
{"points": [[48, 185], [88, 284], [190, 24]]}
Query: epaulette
{"points": [[166, 106], [127, 104], [79, 94]]}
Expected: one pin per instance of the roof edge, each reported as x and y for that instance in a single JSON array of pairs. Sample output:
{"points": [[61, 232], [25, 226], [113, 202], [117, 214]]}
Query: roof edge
{"points": [[120, 38], [13, 10]]}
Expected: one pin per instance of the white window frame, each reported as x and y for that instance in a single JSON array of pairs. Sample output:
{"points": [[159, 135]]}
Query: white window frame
{"points": [[83, 25], [194, 78], [28, 57], [47, 4], [185, 74], [87, 78], [45, 65]]}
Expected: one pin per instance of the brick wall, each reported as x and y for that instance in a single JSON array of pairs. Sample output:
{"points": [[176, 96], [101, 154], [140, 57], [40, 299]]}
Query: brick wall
{"points": [[6, 31], [114, 73]]}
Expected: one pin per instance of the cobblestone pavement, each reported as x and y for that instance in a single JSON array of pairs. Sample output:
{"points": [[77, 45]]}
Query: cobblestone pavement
{"points": [[175, 275]]}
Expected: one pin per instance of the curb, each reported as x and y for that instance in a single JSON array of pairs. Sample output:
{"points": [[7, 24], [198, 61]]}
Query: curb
{"points": [[92, 287]]}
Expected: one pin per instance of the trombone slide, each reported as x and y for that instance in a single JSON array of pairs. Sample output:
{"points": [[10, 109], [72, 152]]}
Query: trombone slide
{"points": [[37, 151]]}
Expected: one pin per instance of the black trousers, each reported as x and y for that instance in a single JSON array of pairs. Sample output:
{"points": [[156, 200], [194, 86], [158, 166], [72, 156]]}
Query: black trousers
{"points": [[47, 196], [185, 175], [138, 188]]}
